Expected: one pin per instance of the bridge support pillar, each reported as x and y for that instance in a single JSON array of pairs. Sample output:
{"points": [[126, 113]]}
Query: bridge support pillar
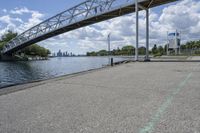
{"points": [[137, 30], [147, 36], [137, 6]]}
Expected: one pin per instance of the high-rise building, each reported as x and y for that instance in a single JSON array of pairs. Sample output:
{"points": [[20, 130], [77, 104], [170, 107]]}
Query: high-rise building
{"points": [[59, 54]]}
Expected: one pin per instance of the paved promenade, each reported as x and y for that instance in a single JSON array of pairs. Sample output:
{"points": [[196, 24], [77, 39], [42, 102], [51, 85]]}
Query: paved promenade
{"points": [[155, 97]]}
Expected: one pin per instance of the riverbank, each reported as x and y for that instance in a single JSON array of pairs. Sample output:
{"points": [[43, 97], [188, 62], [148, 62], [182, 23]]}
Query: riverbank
{"points": [[29, 71], [21, 58], [133, 97], [22, 86]]}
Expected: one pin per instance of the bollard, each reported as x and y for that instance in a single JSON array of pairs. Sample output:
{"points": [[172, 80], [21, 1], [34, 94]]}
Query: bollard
{"points": [[111, 61]]}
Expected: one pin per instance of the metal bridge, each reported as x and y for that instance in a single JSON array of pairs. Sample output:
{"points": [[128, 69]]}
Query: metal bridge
{"points": [[84, 14]]}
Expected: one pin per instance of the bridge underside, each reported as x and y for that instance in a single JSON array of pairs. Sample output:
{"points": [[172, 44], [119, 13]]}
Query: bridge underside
{"points": [[115, 12]]}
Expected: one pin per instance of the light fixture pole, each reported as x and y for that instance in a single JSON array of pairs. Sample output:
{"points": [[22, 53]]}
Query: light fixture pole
{"points": [[137, 30], [110, 60], [109, 44], [147, 35]]}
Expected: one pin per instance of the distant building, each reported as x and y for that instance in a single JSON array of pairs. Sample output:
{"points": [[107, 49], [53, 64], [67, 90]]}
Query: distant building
{"points": [[174, 42], [64, 54], [54, 54], [59, 54]]}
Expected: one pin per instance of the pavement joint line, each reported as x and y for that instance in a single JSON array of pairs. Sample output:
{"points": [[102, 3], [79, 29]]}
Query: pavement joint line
{"points": [[161, 110]]}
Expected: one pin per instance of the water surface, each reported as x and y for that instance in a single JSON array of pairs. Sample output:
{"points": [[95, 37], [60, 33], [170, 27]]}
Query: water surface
{"points": [[12, 73]]}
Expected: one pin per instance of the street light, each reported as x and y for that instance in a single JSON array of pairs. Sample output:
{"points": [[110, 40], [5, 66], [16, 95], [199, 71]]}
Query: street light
{"points": [[110, 60], [109, 44]]}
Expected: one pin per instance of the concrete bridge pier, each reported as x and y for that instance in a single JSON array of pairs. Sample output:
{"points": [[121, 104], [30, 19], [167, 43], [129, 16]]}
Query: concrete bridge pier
{"points": [[137, 7], [147, 36], [137, 30]]}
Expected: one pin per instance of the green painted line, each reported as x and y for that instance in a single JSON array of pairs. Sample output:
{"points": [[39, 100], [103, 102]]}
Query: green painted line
{"points": [[156, 118]]}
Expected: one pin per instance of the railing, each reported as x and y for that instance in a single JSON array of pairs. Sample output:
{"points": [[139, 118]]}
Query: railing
{"points": [[85, 10]]}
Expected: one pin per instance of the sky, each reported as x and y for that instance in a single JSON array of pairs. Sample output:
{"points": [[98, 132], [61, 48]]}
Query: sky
{"points": [[184, 15]]}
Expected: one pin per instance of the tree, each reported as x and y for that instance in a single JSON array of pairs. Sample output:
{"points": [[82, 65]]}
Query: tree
{"points": [[1, 45], [118, 52], [160, 50], [128, 50], [183, 46], [165, 48], [102, 53], [142, 50], [32, 50], [8, 36], [36, 50], [49, 52], [154, 49], [91, 53]]}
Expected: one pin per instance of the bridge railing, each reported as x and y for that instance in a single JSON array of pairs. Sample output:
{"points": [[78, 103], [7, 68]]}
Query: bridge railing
{"points": [[82, 11]]}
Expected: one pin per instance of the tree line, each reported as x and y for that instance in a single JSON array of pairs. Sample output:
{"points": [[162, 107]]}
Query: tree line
{"points": [[126, 50], [156, 50], [32, 50]]}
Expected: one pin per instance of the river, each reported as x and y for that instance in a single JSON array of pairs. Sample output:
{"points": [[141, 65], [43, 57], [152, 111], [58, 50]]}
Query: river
{"points": [[12, 73]]}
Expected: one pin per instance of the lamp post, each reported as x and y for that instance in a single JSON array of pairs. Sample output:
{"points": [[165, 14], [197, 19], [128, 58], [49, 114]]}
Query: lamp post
{"points": [[109, 44], [109, 52], [137, 30]]}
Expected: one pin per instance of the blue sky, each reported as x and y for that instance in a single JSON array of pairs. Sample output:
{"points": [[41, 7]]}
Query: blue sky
{"points": [[20, 15], [45, 6]]}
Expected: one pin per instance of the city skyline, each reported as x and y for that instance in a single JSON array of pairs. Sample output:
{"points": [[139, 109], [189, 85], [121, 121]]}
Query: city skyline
{"points": [[62, 54]]}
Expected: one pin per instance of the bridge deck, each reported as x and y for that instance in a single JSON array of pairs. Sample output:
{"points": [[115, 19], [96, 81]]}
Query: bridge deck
{"points": [[15, 45]]}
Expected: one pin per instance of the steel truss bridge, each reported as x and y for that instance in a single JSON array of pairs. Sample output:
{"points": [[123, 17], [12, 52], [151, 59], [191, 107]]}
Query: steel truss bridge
{"points": [[84, 14]]}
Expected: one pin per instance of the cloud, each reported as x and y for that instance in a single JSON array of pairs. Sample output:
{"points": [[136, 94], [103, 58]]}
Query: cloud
{"points": [[5, 19], [17, 21], [4, 10], [9, 22], [14, 18], [35, 18], [21, 11], [183, 16]]}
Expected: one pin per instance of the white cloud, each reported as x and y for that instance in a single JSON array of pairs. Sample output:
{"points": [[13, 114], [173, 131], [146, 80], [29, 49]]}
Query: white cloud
{"points": [[5, 19], [184, 16], [8, 21], [20, 11], [36, 18], [4, 10], [14, 20]]}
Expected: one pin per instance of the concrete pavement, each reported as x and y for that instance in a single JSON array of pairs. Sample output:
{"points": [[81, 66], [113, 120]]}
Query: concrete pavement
{"points": [[157, 97]]}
